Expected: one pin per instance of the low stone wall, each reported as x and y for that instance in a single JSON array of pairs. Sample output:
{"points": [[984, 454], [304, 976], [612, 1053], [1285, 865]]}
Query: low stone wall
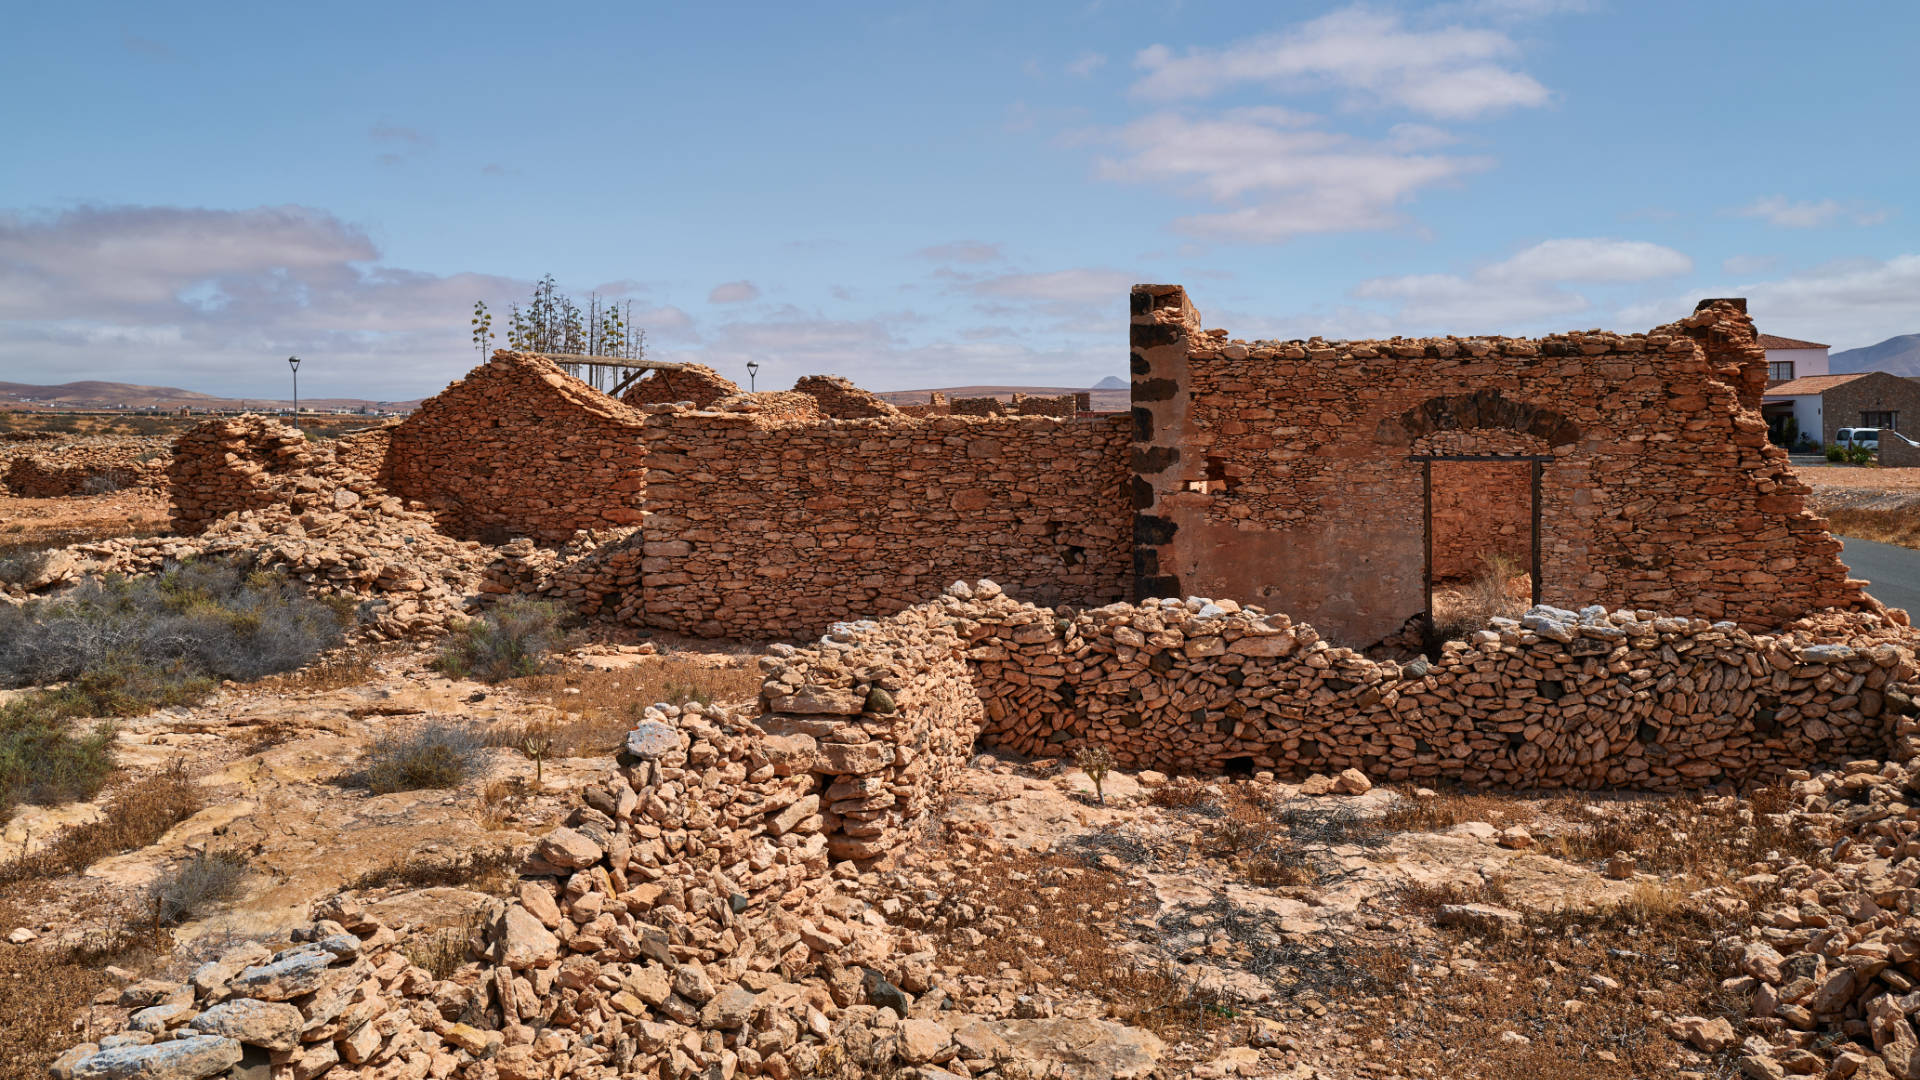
{"points": [[87, 467], [520, 448], [237, 463], [365, 451], [1559, 699], [894, 712], [758, 528], [840, 399]]}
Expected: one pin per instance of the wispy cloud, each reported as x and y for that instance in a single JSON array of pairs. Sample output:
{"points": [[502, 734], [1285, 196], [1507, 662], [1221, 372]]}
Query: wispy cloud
{"points": [[1296, 179], [733, 292], [1452, 72], [1086, 64], [962, 252], [1782, 211], [1530, 284]]}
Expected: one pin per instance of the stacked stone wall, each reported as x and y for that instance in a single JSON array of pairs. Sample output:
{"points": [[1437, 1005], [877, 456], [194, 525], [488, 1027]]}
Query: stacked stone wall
{"points": [[239, 463], [1290, 473], [760, 528], [697, 383], [365, 451], [1584, 699], [1063, 405], [840, 399], [86, 467], [521, 448]]}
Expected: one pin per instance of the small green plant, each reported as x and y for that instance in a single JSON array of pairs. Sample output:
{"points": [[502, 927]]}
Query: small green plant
{"points": [[1836, 453], [1096, 761], [508, 642], [1859, 455], [437, 754], [536, 747]]}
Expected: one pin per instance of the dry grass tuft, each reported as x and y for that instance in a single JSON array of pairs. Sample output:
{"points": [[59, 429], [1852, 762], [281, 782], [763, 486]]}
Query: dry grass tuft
{"points": [[135, 815], [45, 990], [1898, 526], [596, 719], [490, 871], [1502, 588]]}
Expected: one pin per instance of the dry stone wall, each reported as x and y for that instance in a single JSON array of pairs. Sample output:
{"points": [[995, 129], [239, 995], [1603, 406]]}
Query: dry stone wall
{"points": [[1481, 510], [842, 400], [760, 528], [1583, 699], [1289, 473], [87, 466], [228, 465], [697, 383], [521, 448]]}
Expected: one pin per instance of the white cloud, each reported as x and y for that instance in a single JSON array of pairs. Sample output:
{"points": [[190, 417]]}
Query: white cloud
{"points": [[733, 292], [1784, 212], [1452, 71], [1086, 64], [1526, 286], [1299, 179]]}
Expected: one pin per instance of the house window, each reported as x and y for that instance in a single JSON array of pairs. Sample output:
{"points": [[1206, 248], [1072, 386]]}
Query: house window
{"points": [[1889, 420], [1780, 371]]}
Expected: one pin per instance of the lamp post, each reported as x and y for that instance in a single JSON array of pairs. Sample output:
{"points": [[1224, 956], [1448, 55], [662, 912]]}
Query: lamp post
{"points": [[294, 363], [753, 368]]}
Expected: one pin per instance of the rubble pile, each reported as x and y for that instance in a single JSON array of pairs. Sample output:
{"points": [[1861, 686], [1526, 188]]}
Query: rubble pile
{"points": [[1831, 959], [684, 921]]}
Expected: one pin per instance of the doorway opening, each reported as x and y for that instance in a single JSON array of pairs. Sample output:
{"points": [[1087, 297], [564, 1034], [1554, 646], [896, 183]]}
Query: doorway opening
{"points": [[1482, 524]]}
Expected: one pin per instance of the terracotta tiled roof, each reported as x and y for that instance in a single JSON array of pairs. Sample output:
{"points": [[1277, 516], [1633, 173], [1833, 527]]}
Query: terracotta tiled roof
{"points": [[1775, 341], [1811, 384]]}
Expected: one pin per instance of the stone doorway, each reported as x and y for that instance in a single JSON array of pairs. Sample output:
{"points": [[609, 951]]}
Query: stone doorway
{"points": [[1482, 534]]}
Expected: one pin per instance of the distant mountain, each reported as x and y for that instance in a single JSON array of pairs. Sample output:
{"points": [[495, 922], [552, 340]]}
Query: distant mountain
{"points": [[113, 395], [1111, 382], [1898, 355]]}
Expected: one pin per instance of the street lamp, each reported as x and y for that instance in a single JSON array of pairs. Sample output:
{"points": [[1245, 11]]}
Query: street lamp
{"points": [[753, 368], [294, 363]]}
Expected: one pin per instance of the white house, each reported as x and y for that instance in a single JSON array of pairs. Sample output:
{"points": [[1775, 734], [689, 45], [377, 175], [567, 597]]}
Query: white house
{"points": [[1790, 358]]}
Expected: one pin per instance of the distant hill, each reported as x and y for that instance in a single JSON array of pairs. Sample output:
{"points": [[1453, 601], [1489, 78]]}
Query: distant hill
{"points": [[1899, 355], [113, 395], [1111, 382]]}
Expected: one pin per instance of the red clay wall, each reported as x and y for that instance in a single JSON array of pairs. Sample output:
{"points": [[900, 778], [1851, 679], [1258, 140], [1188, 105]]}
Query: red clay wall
{"points": [[521, 448], [760, 528]]}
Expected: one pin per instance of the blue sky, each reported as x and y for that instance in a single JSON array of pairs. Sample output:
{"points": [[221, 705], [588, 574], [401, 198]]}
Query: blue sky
{"points": [[933, 194]]}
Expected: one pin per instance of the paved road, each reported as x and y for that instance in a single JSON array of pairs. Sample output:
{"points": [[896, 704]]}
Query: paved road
{"points": [[1893, 570]]}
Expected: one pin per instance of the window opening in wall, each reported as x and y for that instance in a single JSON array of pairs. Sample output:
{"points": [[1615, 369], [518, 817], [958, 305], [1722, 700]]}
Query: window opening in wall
{"points": [[1482, 525], [1888, 420], [1779, 371], [1216, 481]]}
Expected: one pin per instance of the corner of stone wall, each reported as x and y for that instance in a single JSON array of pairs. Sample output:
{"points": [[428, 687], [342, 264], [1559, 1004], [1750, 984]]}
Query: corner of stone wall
{"points": [[1162, 325]]}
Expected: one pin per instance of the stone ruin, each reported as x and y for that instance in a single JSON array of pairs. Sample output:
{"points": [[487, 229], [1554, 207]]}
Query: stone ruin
{"points": [[86, 465], [686, 920]]}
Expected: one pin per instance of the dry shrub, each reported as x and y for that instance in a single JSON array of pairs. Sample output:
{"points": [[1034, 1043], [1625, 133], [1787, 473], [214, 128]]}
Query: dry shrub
{"points": [[441, 952], [436, 754], [135, 815], [1182, 793], [508, 642], [45, 990], [1711, 840], [500, 800], [1896, 526], [1502, 588], [1440, 812], [194, 885], [1658, 952], [489, 871]]}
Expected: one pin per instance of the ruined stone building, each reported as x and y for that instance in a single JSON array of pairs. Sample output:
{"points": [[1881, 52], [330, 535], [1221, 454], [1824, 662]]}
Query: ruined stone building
{"points": [[1338, 482]]}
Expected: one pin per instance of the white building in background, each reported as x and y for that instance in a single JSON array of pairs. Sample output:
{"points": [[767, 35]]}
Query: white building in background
{"points": [[1790, 358]]}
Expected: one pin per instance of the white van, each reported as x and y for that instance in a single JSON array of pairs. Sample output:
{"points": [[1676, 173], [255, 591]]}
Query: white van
{"points": [[1867, 438]]}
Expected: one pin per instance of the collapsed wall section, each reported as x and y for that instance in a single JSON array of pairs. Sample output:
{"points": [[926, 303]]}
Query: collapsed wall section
{"points": [[240, 463], [520, 448], [86, 467], [697, 383], [1291, 474], [760, 528]]}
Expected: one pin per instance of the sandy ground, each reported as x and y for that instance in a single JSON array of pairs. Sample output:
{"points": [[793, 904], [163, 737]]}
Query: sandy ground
{"points": [[41, 521]]}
